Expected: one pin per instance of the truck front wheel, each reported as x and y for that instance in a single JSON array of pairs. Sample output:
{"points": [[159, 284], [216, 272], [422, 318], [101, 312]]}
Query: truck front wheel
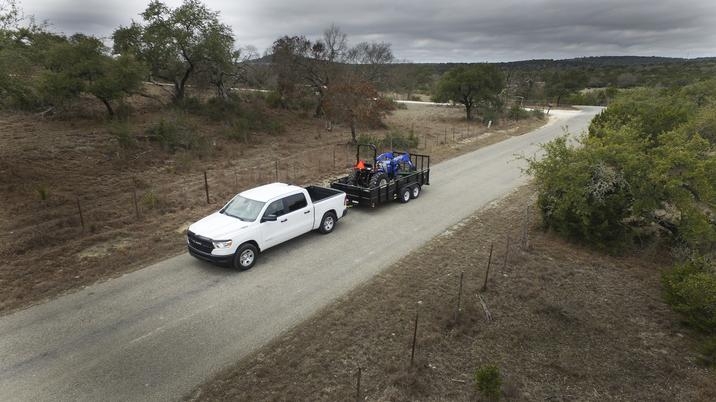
{"points": [[245, 256], [328, 222]]}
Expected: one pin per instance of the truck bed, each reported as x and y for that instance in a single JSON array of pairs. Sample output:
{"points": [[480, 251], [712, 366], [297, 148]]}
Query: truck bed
{"points": [[318, 194]]}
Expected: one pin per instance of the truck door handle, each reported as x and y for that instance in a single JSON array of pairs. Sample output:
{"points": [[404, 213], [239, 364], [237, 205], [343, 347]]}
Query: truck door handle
{"points": [[284, 220], [307, 212]]}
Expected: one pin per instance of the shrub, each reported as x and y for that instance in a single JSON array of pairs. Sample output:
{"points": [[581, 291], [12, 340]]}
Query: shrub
{"points": [[488, 381], [177, 134], [42, 192], [517, 113], [150, 200], [217, 108], [273, 100], [400, 141], [121, 132], [707, 349], [690, 289], [537, 113], [397, 140], [582, 197]]}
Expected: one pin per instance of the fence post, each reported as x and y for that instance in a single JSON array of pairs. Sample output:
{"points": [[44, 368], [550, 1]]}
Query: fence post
{"points": [[134, 198], [276, 169], [358, 398], [525, 227], [334, 157], [415, 332], [79, 209], [206, 187], [459, 296], [487, 272], [507, 252]]}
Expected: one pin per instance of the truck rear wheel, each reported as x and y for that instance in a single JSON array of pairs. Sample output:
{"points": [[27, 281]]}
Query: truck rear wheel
{"points": [[245, 257], [404, 195], [328, 223]]}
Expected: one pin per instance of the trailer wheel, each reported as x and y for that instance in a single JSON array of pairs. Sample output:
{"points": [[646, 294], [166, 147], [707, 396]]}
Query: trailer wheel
{"points": [[328, 222], [415, 192], [245, 257], [404, 195], [378, 180]]}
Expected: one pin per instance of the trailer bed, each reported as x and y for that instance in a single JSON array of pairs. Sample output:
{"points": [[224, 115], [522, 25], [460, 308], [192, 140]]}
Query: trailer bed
{"points": [[373, 196]]}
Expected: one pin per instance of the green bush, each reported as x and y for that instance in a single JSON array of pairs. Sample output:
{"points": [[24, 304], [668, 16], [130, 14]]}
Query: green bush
{"points": [[690, 289], [121, 132], [177, 134], [273, 100], [517, 113], [707, 349], [537, 113], [398, 141], [581, 196], [219, 109], [489, 382]]}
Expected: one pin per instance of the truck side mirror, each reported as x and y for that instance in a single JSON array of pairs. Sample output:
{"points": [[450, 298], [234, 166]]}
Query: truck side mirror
{"points": [[269, 218]]}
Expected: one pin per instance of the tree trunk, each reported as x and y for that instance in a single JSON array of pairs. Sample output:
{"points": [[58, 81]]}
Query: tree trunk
{"points": [[181, 86], [110, 111], [468, 112]]}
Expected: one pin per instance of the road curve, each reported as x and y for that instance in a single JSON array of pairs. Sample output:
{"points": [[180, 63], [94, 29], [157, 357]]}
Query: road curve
{"points": [[156, 333]]}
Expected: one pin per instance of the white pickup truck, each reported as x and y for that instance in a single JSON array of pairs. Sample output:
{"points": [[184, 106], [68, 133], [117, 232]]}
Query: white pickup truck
{"points": [[263, 217]]}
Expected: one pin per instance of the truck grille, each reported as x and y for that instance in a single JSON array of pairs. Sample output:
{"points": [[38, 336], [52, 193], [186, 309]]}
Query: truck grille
{"points": [[199, 243]]}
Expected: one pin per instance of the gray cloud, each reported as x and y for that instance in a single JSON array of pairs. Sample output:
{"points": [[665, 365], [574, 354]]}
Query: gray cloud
{"points": [[459, 30]]}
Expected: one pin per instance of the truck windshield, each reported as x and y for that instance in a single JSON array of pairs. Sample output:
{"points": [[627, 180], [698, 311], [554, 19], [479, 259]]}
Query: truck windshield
{"points": [[243, 208]]}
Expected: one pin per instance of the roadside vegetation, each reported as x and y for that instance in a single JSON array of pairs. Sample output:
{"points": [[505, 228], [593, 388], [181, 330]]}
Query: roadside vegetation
{"points": [[644, 177]]}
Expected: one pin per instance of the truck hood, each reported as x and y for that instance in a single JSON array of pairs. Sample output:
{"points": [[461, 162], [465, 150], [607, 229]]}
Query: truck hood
{"points": [[218, 226]]}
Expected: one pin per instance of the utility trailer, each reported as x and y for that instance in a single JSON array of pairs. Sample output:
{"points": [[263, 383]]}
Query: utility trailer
{"points": [[382, 181]]}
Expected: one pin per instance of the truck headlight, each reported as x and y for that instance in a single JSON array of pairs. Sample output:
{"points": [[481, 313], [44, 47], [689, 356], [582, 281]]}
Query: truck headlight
{"points": [[222, 243]]}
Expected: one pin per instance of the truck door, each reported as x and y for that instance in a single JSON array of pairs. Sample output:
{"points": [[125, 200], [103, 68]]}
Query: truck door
{"points": [[273, 231], [299, 215]]}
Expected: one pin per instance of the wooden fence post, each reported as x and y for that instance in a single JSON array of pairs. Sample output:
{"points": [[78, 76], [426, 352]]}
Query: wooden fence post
{"points": [[206, 187], [487, 272], [79, 209], [415, 332], [507, 252], [459, 296], [134, 198]]}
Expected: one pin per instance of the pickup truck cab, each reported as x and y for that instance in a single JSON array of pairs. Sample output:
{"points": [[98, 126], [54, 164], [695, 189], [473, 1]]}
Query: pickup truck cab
{"points": [[262, 217]]}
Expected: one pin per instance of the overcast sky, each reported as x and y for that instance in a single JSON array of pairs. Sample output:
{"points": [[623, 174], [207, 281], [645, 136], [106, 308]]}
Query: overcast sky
{"points": [[440, 31]]}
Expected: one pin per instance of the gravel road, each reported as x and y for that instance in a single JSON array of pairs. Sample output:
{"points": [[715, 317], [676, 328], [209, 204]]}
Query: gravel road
{"points": [[156, 333]]}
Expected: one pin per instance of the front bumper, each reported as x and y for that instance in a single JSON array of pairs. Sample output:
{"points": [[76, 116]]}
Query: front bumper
{"points": [[216, 259]]}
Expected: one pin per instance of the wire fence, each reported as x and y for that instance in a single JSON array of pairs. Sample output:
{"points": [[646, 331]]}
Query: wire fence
{"points": [[134, 197]]}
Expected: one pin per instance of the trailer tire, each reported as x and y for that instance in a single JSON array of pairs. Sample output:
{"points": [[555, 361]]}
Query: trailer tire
{"points": [[404, 194], [415, 191], [245, 256], [328, 223], [378, 180]]}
